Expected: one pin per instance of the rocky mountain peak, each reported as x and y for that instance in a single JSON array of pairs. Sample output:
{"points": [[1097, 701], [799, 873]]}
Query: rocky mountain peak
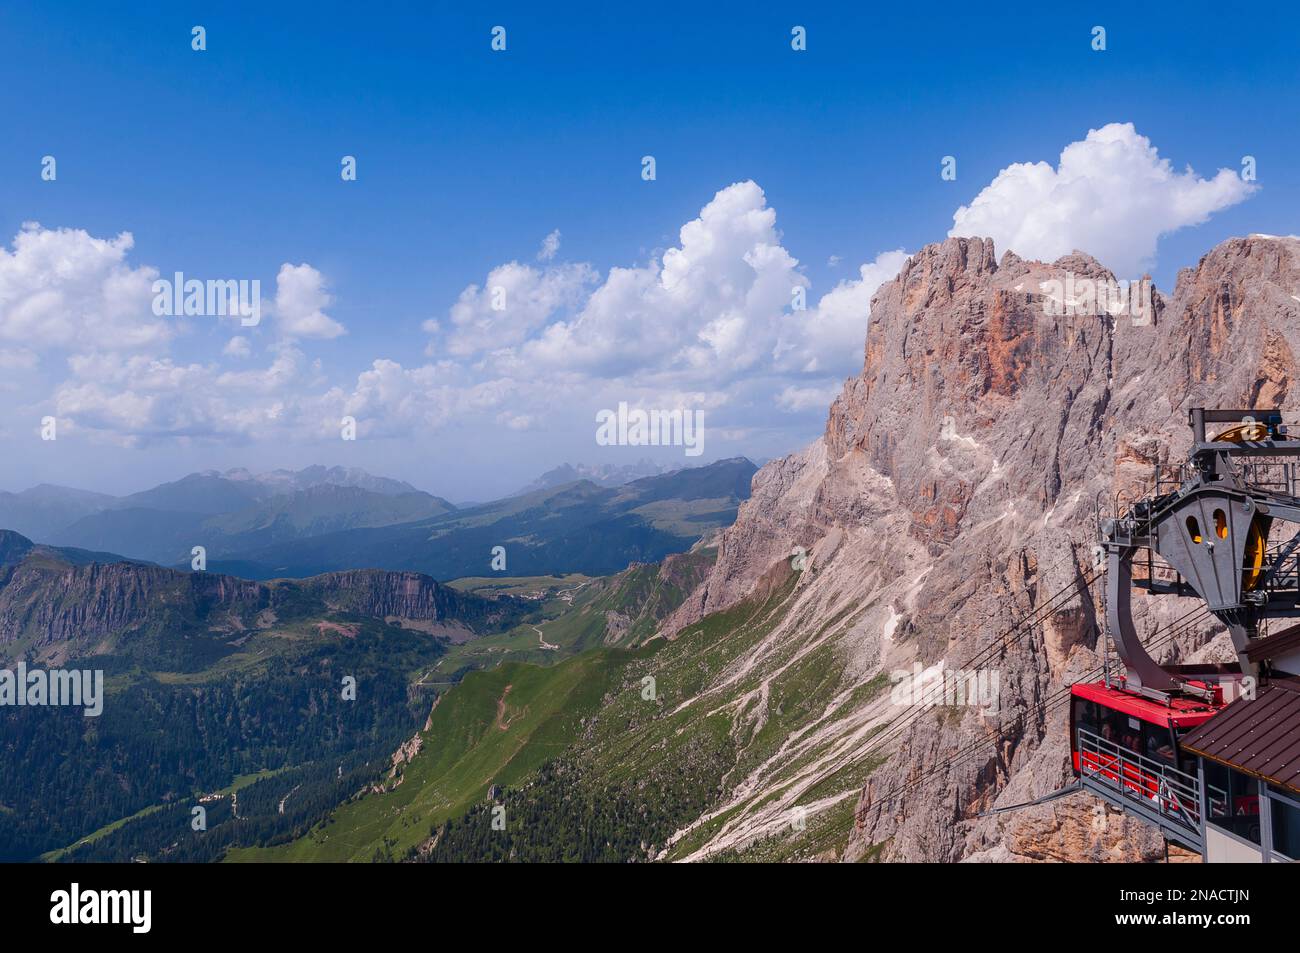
{"points": [[955, 486], [965, 365]]}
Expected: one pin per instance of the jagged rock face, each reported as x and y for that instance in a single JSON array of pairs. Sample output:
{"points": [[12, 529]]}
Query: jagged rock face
{"points": [[964, 374], [782, 510], [75, 608], [959, 474], [54, 609], [403, 595]]}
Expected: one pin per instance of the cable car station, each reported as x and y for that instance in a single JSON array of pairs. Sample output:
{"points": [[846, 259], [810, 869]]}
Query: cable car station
{"points": [[1208, 754]]}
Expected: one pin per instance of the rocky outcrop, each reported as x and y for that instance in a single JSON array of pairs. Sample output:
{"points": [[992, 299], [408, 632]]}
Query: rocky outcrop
{"points": [[50, 604], [55, 604], [400, 758], [953, 491], [409, 596]]}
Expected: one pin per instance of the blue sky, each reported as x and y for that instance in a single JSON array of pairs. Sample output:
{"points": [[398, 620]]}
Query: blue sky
{"points": [[225, 163]]}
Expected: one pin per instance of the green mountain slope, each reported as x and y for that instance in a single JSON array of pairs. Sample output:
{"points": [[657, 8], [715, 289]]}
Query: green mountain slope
{"points": [[208, 678], [623, 754], [744, 737], [164, 740], [496, 728], [734, 726]]}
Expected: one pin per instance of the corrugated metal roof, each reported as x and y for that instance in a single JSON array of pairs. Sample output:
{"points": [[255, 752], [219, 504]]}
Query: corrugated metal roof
{"points": [[1257, 650], [1260, 736]]}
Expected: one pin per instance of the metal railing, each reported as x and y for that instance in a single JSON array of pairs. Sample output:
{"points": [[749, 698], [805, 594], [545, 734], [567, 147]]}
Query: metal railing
{"points": [[1274, 474], [1282, 570], [1216, 800], [1150, 783], [1278, 476]]}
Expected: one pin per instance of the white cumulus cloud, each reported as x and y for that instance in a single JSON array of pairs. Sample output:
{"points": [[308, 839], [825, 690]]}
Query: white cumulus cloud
{"points": [[64, 292], [62, 288], [1110, 195], [300, 303], [514, 301], [798, 399], [831, 337], [709, 310], [712, 321]]}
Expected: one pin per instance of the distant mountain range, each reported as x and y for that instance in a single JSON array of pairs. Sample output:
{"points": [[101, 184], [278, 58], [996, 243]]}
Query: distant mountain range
{"points": [[602, 474], [320, 519], [577, 527], [225, 512], [43, 510]]}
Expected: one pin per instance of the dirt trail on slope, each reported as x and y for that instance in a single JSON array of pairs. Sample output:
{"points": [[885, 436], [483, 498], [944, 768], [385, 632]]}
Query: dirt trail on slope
{"points": [[501, 721], [542, 640]]}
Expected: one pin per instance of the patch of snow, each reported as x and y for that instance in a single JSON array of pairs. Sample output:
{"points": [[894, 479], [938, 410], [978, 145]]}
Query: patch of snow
{"points": [[995, 474], [887, 634], [949, 432]]}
